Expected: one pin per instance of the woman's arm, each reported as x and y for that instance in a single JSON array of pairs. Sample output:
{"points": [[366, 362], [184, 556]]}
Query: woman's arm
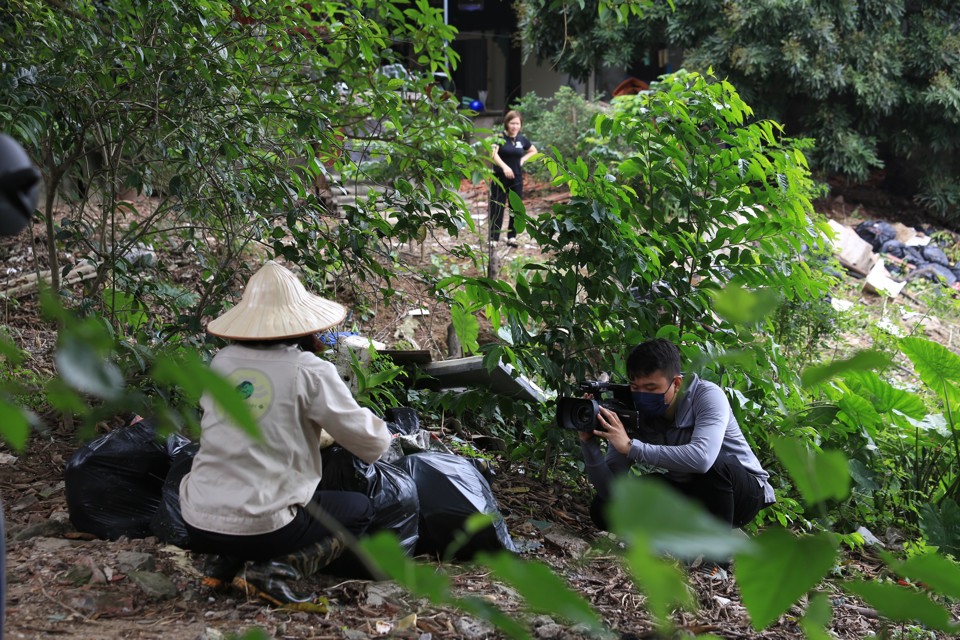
{"points": [[507, 171], [532, 151]]}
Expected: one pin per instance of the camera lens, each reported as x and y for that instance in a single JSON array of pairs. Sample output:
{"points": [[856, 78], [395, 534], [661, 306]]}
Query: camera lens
{"points": [[583, 416]]}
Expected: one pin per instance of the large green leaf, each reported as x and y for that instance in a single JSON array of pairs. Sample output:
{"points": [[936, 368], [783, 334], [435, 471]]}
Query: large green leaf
{"points": [[740, 306], [84, 368], [383, 550], [467, 326], [14, 425], [885, 397], [936, 365], [542, 589], [423, 580], [936, 571], [818, 475], [866, 360], [817, 617], [194, 377], [901, 604], [779, 569], [859, 412], [660, 580], [941, 527], [681, 527]]}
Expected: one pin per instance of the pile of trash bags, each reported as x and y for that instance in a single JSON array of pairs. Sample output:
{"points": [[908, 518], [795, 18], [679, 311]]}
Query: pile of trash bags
{"points": [[925, 261], [127, 483]]}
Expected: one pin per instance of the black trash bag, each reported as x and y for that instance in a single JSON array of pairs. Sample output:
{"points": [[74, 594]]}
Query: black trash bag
{"points": [[402, 420], [876, 232], [167, 523], [913, 256], [935, 272], [113, 484], [894, 247], [451, 490], [396, 506], [935, 255]]}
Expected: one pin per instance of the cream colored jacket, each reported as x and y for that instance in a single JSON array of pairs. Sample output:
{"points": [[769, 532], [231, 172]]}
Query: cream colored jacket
{"points": [[239, 487]]}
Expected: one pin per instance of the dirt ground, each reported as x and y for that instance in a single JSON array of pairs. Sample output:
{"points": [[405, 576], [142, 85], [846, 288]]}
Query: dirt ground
{"points": [[63, 585]]}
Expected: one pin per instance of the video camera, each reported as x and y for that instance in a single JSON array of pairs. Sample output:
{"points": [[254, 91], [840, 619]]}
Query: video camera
{"points": [[580, 414]]}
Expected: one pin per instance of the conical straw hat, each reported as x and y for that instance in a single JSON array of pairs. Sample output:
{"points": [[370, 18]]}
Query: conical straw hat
{"points": [[276, 305]]}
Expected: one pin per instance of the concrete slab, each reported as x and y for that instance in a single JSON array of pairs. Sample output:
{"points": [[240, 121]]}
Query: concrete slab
{"points": [[461, 373]]}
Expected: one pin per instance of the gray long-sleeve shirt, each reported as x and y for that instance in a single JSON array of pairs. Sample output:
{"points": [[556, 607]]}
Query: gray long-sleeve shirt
{"points": [[704, 427]]}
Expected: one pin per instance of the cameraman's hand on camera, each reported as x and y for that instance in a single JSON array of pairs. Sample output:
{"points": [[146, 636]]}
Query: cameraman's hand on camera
{"points": [[612, 430], [586, 436]]}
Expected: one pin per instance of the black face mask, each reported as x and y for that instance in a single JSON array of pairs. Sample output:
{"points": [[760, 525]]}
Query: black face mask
{"points": [[651, 405]]}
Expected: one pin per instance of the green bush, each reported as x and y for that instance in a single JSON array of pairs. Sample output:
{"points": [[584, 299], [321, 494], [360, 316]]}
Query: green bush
{"points": [[560, 127]]}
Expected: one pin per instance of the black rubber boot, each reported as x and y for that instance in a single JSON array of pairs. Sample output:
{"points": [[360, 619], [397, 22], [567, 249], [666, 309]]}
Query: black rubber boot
{"points": [[218, 571], [315, 557], [270, 580]]}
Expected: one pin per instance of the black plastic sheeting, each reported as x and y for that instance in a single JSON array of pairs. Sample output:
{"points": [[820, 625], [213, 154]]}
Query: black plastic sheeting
{"points": [[928, 262], [114, 483], [452, 489], [127, 483], [396, 505], [168, 523]]}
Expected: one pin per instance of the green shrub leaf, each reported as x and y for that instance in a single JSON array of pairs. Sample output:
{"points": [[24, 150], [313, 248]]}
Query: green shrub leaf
{"points": [[866, 360], [941, 527], [542, 589], [82, 366], [682, 528], [779, 569], [660, 580], [818, 475], [422, 580], [818, 615], [935, 571], [936, 365], [194, 377], [14, 425], [901, 604]]}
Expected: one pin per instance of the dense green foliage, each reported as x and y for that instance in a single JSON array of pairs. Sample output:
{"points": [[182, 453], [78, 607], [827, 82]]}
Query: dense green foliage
{"points": [[695, 225], [235, 118], [876, 83], [574, 36], [561, 122]]}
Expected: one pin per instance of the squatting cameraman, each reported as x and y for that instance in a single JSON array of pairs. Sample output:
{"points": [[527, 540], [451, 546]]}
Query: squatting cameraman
{"points": [[688, 430]]}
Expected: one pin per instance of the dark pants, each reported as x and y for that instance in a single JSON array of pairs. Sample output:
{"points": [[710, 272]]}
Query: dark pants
{"points": [[353, 510], [499, 187], [727, 490]]}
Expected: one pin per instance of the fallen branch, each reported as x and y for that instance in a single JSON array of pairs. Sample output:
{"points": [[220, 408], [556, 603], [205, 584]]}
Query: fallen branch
{"points": [[27, 284]]}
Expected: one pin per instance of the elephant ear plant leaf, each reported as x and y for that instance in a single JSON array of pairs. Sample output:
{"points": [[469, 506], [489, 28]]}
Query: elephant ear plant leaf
{"points": [[939, 369]]}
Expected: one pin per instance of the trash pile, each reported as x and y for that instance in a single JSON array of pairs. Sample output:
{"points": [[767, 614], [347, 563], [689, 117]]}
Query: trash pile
{"points": [[912, 257], [126, 483], [890, 255]]}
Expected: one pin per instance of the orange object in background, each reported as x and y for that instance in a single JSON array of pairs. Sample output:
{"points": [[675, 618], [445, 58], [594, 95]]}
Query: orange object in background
{"points": [[631, 86]]}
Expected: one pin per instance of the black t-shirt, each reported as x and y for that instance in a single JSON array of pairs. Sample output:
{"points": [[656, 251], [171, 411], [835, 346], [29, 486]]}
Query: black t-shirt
{"points": [[510, 151]]}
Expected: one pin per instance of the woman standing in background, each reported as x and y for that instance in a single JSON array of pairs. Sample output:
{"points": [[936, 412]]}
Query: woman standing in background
{"points": [[509, 155]]}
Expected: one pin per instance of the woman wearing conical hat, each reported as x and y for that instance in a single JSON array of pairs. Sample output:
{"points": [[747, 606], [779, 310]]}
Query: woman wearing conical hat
{"points": [[250, 501]]}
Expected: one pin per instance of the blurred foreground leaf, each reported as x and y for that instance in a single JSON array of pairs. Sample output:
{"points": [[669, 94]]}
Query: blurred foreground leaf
{"points": [[818, 475], [779, 569]]}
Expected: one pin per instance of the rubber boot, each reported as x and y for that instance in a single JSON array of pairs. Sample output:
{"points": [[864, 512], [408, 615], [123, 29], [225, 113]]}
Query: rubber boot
{"points": [[311, 559], [271, 580], [218, 571]]}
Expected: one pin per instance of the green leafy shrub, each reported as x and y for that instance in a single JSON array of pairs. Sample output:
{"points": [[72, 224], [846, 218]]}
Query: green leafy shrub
{"points": [[561, 123]]}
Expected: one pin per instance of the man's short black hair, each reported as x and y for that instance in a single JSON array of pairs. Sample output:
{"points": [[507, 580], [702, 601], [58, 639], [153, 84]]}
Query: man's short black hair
{"points": [[658, 354]]}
